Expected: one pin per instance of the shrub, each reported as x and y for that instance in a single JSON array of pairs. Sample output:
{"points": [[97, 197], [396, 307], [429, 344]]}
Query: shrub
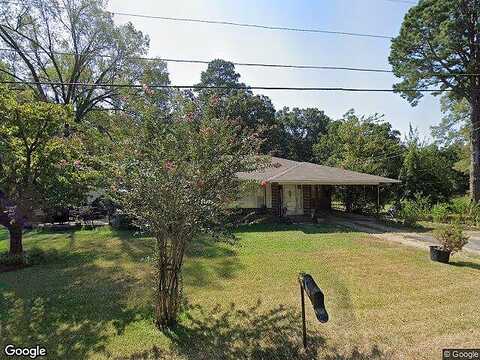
{"points": [[451, 237], [440, 212], [465, 211], [412, 211]]}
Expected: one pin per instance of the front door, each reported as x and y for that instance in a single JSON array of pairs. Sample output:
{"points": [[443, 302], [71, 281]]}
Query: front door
{"points": [[292, 199]]}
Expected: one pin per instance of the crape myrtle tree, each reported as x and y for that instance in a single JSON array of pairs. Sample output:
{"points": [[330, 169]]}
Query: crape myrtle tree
{"points": [[176, 177], [439, 46], [40, 164], [67, 44]]}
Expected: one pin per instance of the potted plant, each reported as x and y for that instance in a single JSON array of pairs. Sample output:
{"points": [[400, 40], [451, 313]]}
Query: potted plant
{"points": [[451, 239]]}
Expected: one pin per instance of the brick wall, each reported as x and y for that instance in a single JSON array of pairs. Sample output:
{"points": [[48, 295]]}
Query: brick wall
{"points": [[276, 199], [307, 199]]}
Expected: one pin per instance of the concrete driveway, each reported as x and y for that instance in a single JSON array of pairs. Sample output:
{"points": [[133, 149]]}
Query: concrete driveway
{"points": [[389, 233]]}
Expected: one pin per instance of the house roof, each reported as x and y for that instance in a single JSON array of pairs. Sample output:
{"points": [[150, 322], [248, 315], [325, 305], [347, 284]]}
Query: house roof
{"points": [[294, 172]]}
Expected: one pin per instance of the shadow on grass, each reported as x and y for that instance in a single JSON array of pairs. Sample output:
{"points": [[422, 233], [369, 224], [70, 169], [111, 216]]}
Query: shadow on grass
{"points": [[209, 261], [466, 264], [68, 307], [253, 333]]}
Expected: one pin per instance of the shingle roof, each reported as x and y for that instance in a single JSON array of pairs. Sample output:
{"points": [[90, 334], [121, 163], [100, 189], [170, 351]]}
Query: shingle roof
{"points": [[288, 171]]}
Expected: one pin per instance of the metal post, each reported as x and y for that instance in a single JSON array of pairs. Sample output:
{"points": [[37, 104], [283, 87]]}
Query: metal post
{"points": [[303, 314], [378, 200]]}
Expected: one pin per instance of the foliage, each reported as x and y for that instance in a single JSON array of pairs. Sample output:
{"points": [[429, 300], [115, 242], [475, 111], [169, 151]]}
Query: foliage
{"points": [[429, 170], [71, 42], [176, 180], [440, 212], [363, 144], [300, 129], [42, 160], [451, 237], [414, 210], [433, 47], [253, 112]]}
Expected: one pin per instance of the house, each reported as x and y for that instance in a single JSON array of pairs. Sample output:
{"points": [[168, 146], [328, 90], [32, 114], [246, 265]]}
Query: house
{"points": [[287, 187]]}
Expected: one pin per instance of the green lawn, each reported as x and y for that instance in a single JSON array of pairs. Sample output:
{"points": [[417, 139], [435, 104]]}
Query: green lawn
{"points": [[385, 300]]}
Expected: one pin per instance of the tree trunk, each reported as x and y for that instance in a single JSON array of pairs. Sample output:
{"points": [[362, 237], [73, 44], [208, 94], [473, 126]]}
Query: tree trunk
{"points": [[475, 148], [16, 246], [168, 282]]}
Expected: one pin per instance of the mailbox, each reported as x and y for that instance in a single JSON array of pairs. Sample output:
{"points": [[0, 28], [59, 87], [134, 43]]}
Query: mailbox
{"points": [[316, 297], [310, 287]]}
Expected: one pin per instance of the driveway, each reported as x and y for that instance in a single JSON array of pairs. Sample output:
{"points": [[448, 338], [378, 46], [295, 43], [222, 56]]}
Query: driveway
{"points": [[389, 233]]}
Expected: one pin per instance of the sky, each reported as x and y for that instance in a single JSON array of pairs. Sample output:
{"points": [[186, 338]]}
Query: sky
{"points": [[170, 39]]}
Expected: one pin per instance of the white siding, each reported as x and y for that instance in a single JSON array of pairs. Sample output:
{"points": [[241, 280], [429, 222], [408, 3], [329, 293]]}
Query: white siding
{"points": [[254, 199]]}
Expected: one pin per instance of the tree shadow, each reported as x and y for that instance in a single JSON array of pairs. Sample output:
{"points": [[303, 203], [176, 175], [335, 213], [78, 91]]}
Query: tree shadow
{"points": [[253, 333], [210, 260], [468, 264], [67, 307]]}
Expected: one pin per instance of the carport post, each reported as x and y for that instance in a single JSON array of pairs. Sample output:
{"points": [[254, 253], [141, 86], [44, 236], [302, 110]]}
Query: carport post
{"points": [[378, 200]]}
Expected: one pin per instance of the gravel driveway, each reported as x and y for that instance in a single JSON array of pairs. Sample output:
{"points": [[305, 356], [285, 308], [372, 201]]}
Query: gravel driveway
{"points": [[418, 239]]}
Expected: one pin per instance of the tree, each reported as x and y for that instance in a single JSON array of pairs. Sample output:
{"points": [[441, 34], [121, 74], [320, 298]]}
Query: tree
{"points": [[438, 46], [429, 171], [253, 112], [300, 129], [67, 43], [40, 165], [219, 73], [454, 131], [176, 180], [364, 144]]}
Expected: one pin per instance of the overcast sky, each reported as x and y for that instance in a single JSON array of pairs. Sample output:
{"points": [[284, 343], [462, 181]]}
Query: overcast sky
{"points": [[205, 42]]}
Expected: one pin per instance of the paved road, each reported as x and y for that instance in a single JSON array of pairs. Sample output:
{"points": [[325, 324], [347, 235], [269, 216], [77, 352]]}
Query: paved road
{"points": [[389, 233]]}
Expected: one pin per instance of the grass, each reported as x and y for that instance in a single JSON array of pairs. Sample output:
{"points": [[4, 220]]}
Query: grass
{"points": [[385, 300]]}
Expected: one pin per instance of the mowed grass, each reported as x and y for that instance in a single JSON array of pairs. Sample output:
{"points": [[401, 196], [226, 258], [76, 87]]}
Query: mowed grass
{"points": [[93, 300]]}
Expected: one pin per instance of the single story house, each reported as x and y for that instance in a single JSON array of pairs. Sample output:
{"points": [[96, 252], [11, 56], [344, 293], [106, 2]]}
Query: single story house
{"points": [[287, 187]]}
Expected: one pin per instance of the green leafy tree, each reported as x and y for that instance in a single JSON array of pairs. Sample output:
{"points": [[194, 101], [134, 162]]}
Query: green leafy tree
{"points": [[438, 47], [428, 170], [454, 131], [364, 144], [253, 112], [41, 165], [299, 130], [176, 179], [67, 43]]}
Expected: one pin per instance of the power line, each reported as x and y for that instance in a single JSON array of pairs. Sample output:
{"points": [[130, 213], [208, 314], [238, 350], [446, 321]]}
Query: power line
{"points": [[180, 87], [258, 26], [250, 64], [236, 24]]}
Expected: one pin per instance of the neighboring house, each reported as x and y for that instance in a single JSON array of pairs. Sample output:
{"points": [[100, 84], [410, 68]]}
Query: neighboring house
{"points": [[289, 187]]}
